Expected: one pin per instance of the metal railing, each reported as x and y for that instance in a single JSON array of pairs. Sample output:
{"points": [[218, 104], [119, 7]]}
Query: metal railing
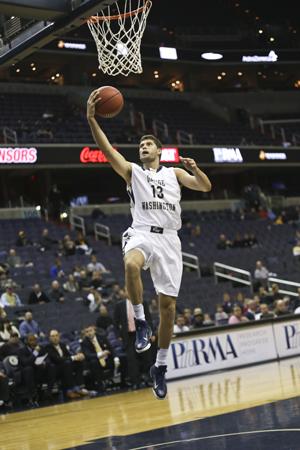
{"points": [[77, 223], [160, 128], [191, 261], [232, 274], [183, 137], [292, 286], [102, 231], [9, 136]]}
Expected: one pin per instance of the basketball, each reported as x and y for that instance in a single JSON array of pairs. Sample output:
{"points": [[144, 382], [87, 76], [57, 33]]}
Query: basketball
{"points": [[111, 102]]}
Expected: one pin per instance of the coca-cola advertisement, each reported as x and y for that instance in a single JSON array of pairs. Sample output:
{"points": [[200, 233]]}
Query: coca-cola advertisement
{"points": [[87, 155]]}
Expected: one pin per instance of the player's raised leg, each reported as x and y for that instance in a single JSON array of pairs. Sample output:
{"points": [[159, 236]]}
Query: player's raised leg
{"points": [[167, 307], [134, 261]]}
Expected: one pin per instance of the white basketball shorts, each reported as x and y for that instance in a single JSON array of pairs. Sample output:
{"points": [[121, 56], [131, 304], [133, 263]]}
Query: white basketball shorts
{"points": [[162, 253]]}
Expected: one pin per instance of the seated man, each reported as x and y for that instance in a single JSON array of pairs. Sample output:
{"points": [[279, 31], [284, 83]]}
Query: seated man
{"points": [[22, 239], [23, 377], [30, 326], [13, 260], [37, 296], [99, 356], [46, 242], [68, 367], [55, 293], [9, 297], [44, 371], [223, 242], [95, 266]]}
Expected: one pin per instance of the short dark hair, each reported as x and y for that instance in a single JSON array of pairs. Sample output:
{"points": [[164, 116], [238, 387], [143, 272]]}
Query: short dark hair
{"points": [[153, 138]]}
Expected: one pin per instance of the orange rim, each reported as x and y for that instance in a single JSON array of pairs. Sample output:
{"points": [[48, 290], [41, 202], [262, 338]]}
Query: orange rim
{"points": [[95, 19]]}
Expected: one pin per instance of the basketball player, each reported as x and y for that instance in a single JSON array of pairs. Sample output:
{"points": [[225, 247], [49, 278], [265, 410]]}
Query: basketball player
{"points": [[152, 240]]}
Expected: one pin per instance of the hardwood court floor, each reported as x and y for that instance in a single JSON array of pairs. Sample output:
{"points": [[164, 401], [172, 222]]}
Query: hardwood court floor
{"points": [[67, 426]]}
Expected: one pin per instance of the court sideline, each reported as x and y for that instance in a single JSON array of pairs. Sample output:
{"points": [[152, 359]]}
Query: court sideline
{"points": [[117, 421]]}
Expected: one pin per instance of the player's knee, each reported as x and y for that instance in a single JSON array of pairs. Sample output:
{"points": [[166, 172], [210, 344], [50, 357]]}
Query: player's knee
{"points": [[168, 308], [132, 267]]}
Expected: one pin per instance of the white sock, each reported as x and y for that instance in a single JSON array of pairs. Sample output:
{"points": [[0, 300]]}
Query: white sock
{"points": [[161, 357], [139, 311]]}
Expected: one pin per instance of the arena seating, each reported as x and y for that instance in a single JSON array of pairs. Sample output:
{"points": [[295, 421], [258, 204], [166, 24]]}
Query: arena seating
{"points": [[278, 258], [70, 317], [47, 119]]}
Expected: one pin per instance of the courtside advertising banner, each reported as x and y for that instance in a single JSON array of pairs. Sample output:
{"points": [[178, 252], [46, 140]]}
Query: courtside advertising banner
{"points": [[196, 354], [287, 337], [84, 155]]}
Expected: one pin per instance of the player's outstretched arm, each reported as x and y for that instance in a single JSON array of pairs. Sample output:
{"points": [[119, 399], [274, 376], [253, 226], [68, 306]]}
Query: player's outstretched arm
{"points": [[117, 161], [198, 181]]}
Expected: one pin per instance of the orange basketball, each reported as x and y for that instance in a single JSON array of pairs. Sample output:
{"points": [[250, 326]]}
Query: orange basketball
{"points": [[111, 102]]}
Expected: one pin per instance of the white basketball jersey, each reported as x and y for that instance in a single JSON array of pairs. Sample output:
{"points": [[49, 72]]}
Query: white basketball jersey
{"points": [[155, 197]]}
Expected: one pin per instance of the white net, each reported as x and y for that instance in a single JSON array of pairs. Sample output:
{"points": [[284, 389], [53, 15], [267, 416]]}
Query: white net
{"points": [[118, 36]]}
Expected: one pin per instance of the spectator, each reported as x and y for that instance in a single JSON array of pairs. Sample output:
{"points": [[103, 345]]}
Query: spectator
{"points": [[44, 372], [237, 316], [207, 321], [82, 245], [46, 242], [261, 274], [99, 356], [227, 303], [76, 271], [103, 320], [253, 242], [22, 376], [265, 313], [9, 297], [180, 326], [188, 317], [56, 271], [223, 242], [13, 260], [237, 241], [198, 318], [30, 326], [281, 308], [264, 296], [96, 281], [239, 299], [22, 240], [55, 293], [7, 329], [69, 368], [94, 299], [68, 246], [83, 281], [251, 311], [274, 294], [221, 317], [71, 285], [95, 266], [37, 296]]}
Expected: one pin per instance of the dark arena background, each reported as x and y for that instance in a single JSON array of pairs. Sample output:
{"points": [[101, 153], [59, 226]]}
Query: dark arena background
{"points": [[220, 84]]}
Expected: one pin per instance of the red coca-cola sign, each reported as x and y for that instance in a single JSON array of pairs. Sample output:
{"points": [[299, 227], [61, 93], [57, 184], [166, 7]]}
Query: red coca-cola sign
{"points": [[92, 156]]}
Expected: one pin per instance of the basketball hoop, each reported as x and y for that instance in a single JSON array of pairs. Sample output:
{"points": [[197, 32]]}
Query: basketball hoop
{"points": [[118, 36]]}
